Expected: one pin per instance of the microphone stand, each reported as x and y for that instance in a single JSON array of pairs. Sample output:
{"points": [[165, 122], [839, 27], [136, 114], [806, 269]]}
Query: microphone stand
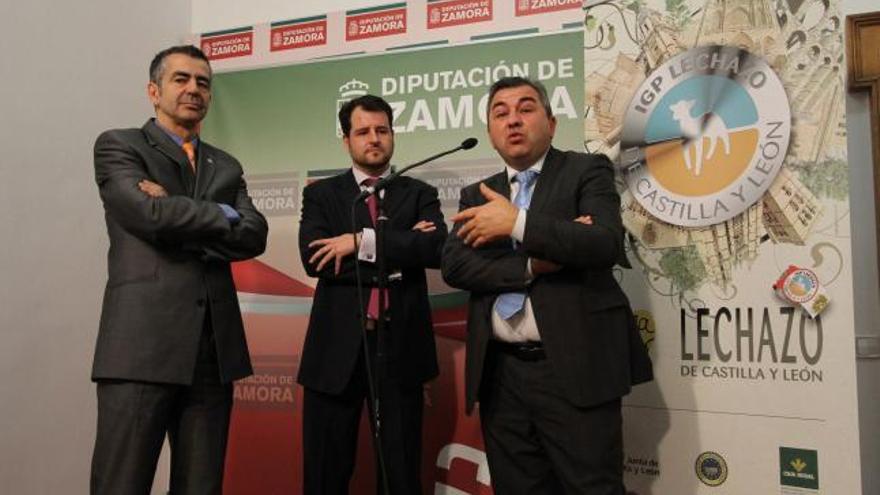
{"points": [[377, 374], [382, 320], [373, 375]]}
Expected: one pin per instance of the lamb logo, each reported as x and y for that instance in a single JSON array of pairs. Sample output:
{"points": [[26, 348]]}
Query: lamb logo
{"points": [[705, 135], [353, 28], [349, 91], [435, 15], [708, 126]]}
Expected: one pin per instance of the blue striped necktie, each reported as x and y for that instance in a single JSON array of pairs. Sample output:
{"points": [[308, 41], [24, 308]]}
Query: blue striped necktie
{"points": [[511, 303]]}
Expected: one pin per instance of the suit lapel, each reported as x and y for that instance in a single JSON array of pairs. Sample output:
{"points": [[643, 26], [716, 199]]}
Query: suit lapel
{"points": [[205, 168], [546, 179], [347, 189], [169, 176], [498, 183], [162, 142], [395, 195]]}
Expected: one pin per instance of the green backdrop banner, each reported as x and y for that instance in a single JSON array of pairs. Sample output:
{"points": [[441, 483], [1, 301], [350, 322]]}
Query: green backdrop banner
{"points": [[280, 122], [283, 119]]}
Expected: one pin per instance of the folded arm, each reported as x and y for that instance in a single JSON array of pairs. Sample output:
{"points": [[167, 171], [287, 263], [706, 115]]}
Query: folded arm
{"points": [[325, 252], [176, 219], [491, 267], [577, 244], [416, 247], [247, 236]]}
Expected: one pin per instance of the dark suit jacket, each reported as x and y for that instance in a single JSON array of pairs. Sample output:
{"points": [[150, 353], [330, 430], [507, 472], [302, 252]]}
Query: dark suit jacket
{"points": [[583, 316], [333, 341], [168, 264]]}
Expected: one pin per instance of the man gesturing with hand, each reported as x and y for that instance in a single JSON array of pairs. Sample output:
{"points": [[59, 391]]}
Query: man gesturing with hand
{"points": [[552, 345]]}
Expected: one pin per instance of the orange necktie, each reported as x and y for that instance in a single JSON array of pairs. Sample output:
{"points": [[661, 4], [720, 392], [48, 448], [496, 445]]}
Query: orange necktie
{"points": [[190, 151]]}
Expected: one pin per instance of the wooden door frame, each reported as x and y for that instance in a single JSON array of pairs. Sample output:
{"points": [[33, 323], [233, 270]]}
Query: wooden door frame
{"points": [[863, 75]]}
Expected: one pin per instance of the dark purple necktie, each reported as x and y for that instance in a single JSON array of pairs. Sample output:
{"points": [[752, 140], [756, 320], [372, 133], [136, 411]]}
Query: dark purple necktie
{"points": [[373, 305]]}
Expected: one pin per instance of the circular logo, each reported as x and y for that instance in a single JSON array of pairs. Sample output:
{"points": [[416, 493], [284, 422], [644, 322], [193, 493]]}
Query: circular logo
{"points": [[800, 285], [711, 468], [705, 136]]}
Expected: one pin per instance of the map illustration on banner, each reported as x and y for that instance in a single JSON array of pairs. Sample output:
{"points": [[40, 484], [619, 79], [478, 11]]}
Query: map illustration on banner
{"points": [[726, 121]]}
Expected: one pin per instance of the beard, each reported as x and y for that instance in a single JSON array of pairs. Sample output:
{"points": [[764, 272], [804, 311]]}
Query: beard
{"points": [[372, 161]]}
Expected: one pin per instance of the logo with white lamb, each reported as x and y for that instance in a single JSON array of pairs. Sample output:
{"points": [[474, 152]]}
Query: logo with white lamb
{"points": [[695, 130], [705, 136]]}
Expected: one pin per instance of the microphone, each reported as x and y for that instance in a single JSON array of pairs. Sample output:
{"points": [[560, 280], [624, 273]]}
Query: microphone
{"points": [[469, 143], [383, 183]]}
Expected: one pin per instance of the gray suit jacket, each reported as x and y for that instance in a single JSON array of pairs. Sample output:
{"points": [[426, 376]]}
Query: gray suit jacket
{"points": [[168, 263], [582, 314]]}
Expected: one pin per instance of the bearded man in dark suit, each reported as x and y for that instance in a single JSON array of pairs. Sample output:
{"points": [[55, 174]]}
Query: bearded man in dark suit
{"points": [[334, 371]]}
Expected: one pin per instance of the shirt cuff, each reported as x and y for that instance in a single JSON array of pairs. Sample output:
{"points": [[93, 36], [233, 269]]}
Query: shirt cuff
{"points": [[367, 250], [229, 212], [519, 228]]}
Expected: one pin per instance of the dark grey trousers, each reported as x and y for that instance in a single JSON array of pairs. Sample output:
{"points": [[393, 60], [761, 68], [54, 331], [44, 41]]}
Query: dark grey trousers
{"points": [[538, 442], [134, 417]]}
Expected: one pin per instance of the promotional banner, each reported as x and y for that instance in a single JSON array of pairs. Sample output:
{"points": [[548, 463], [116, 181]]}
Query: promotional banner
{"points": [[281, 123], [385, 27], [726, 120]]}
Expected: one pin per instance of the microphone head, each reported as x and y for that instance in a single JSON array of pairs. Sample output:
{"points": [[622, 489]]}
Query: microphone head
{"points": [[469, 143]]}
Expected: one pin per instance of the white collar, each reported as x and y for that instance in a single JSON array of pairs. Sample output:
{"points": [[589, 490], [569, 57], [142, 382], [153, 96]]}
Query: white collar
{"points": [[360, 176], [537, 166]]}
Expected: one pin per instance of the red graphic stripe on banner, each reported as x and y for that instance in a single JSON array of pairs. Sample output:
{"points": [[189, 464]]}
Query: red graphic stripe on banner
{"points": [[457, 12], [256, 277], [228, 46], [375, 24], [450, 322], [531, 7], [298, 35], [461, 477]]}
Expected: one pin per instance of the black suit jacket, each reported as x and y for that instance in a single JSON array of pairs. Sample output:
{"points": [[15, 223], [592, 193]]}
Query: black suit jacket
{"points": [[583, 316], [168, 263], [333, 340]]}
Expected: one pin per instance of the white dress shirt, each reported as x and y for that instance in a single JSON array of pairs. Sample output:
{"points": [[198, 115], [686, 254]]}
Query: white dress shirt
{"points": [[521, 327], [367, 246]]}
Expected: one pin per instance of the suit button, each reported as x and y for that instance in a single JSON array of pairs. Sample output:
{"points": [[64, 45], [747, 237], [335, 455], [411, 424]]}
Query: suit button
{"points": [[200, 302]]}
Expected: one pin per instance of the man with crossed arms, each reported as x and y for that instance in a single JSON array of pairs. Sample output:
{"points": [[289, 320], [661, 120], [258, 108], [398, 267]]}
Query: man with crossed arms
{"points": [[171, 340], [333, 370], [552, 345]]}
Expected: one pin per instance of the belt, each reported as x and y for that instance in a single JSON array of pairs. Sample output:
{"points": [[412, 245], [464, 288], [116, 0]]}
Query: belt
{"points": [[524, 351]]}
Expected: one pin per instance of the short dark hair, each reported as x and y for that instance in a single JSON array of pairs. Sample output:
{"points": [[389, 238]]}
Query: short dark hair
{"points": [[370, 103], [515, 82], [157, 66]]}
